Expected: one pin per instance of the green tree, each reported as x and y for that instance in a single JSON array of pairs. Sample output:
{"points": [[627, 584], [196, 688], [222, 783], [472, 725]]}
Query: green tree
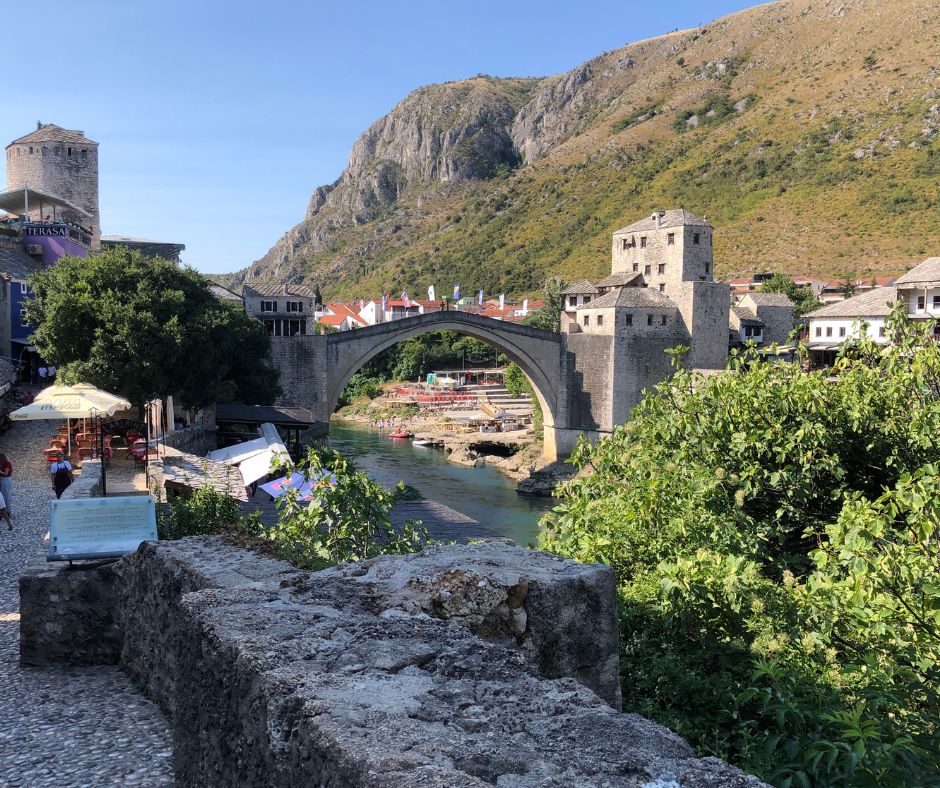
{"points": [[347, 519], [804, 300], [774, 533], [147, 328], [549, 316]]}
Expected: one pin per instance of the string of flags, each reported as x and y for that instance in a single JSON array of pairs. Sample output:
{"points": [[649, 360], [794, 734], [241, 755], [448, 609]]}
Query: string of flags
{"points": [[408, 303]]}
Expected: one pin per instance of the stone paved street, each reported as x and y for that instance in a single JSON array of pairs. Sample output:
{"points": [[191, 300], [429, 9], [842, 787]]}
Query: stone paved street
{"points": [[63, 726]]}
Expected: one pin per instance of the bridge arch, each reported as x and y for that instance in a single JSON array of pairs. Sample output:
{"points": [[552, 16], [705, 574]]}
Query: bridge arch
{"points": [[536, 352]]}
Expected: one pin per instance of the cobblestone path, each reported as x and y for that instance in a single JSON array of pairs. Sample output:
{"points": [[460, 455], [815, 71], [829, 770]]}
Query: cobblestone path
{"points": [[63, 726]]}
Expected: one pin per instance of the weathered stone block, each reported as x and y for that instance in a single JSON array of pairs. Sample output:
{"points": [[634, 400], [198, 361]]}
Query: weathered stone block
{"points": [[70, 614], [562, 615]]}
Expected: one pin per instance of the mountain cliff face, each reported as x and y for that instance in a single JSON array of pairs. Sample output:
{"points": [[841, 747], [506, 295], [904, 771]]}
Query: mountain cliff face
{"points": [[807, 131]]}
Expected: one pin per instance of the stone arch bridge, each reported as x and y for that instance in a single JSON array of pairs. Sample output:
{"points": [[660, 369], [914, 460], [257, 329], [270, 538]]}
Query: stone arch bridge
{"points": [[580, 382]]}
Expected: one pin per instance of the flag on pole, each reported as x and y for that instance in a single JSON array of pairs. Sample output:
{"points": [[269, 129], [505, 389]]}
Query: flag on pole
{"points": [[431, 293], [502, 302], [480, 297], [525, 307], [456, 292], [406, 300]]}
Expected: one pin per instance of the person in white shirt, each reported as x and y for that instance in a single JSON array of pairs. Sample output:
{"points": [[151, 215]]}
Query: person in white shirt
{"points": [[4, 513], [51, 372], [42, 375], [61, 472]]}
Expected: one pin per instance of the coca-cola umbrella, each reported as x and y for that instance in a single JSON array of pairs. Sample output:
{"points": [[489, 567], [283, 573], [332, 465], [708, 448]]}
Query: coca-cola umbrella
{"points": [[80, 401]]}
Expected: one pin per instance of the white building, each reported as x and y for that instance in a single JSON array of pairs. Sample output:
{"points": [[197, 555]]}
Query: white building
{"points": [[865, 313]]}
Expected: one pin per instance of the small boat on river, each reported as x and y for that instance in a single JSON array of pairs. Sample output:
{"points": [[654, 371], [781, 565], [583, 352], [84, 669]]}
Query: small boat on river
{"points": [[422, 442], [401, 435]]}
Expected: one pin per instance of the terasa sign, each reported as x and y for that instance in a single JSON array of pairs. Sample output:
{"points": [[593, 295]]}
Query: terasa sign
{"points": [[58, 231]]}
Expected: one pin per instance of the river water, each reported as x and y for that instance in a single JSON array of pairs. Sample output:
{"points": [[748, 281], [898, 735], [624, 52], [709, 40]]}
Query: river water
{"points": [[483, 493]]}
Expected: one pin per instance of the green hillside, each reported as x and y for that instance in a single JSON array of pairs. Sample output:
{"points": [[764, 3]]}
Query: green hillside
{"points": [[808, 133]]}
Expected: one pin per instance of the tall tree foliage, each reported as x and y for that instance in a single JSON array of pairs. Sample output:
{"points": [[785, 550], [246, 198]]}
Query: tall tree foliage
{"points": [[775, 537], [147, 328], [804, 300]]}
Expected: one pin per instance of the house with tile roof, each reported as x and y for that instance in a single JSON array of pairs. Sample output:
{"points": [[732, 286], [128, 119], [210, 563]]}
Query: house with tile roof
{"points": [[865, 313], [285, 309]]}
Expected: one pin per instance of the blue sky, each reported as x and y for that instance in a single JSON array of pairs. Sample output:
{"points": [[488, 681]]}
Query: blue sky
{"points": [[216, 120]]}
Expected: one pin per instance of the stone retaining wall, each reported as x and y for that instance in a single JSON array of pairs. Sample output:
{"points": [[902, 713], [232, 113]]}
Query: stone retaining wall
{"points": [[87, 484], [451, 667], [198, 439]]}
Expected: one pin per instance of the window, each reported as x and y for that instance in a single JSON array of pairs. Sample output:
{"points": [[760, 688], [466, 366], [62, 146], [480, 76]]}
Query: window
{"points": [[936, 302], [661, 269], [30, 150], [628, 319], [84, 155], [649, 320], [269, 327], [818, 331], [626, 244], [571, 303], [707, 267], [842, 331], [70, 151], [600, 320], [662, 320], [671, 239], [269, 306], [295, 306], [292, 328], [642, 242], [636, 267], [587, 299], [647, 269], [45, 151], [828, 331], [662, 288], [58, 150], [920, 303], [587, 321], [696, 238], [23, 317], [881, 332]]}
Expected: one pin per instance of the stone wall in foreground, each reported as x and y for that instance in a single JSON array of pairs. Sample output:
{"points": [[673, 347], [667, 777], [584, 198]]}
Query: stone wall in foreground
{"points": [[458, 666]]}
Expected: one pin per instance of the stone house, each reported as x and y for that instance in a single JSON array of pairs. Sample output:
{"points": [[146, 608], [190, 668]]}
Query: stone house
{"points": [[286, 310], [764, 318]]}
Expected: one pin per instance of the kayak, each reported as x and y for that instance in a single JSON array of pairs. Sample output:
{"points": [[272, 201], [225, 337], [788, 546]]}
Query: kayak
{"points": [[400, 435]]}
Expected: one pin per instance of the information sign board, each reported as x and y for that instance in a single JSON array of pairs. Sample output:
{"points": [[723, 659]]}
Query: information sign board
{"points": [[100, 527]]}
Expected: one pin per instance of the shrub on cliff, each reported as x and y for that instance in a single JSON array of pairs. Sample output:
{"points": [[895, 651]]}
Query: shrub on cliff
{"points": [[775, 537]]}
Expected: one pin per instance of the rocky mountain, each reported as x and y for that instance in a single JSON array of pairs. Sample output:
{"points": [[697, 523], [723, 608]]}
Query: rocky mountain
{"points": [[808, 131]]}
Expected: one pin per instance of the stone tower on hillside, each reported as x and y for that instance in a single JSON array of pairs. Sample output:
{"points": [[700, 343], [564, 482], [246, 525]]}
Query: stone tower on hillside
{"points": [[60, 162], [672, 251]]}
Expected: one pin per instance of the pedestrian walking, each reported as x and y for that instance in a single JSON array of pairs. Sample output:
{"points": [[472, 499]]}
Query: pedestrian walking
{"points": [[5, 513], [43, 371], [51, 373], [61, 473], [6, 481]]}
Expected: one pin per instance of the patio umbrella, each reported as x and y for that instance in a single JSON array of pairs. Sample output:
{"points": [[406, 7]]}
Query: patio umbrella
{"points": [[70, 402], [297, 481]]}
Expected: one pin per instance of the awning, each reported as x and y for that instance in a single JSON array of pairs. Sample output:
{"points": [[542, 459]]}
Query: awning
{"points": [[18, 201]]}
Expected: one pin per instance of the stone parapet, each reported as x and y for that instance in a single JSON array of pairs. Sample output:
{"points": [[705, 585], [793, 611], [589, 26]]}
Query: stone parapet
{"points": [[453, 667]]}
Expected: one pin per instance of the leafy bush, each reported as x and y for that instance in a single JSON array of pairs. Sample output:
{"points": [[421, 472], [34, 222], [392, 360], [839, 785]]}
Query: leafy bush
{"points": [[347, 519], [206, 511], [775, 533]]}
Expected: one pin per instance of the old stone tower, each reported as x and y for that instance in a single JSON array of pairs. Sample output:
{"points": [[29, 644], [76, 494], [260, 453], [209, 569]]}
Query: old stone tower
{"points": [[672, 252], [60, 162]]}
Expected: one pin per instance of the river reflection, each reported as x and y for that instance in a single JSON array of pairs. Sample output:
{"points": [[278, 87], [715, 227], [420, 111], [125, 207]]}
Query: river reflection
{"points": [[483, 493]]}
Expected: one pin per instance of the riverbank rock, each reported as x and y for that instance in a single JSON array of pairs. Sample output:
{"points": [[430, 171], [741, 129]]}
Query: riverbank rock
{"points": [[544, 480]]}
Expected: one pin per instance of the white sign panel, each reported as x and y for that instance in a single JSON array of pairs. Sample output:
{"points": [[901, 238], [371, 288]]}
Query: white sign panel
{"points": [[100, 527]]}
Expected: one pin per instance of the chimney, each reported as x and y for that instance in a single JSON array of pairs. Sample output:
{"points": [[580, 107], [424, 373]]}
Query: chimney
{"points": [[284, 288]]}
